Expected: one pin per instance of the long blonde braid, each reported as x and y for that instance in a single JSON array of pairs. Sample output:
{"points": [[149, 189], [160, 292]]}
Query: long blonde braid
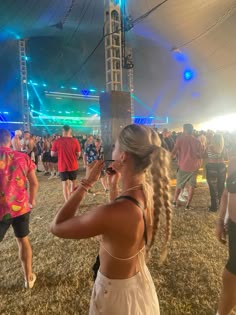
{"points": [[161, 200], [145, 146]]}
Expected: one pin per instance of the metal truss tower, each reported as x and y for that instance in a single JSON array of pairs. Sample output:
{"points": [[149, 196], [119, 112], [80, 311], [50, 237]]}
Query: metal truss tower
{"points": [[24, 85], [113, 45], [130, 71]]}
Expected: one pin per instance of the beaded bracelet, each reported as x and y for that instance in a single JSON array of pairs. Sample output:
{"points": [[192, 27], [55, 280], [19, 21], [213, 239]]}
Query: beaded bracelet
{"points": [[86, 183], [85, 188], [82, 186]]}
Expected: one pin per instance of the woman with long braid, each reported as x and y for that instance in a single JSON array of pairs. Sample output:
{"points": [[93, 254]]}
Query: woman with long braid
{"points": [[127, 226]]}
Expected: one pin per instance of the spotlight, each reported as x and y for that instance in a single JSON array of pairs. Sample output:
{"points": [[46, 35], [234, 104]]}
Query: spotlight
{"points": [[188, 75]]}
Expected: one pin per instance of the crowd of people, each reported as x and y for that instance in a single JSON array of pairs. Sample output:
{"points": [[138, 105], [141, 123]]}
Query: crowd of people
{"points": [[127, 225]]}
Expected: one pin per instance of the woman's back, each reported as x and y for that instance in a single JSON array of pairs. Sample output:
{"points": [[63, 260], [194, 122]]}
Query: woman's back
{"points": [[119, 250]]}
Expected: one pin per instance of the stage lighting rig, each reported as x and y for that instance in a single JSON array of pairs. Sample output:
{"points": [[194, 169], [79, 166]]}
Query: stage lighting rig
{"points": [[128, 62]]}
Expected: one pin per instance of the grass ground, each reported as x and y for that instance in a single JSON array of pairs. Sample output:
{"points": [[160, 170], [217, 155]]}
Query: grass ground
{"points": [[187, 283]]}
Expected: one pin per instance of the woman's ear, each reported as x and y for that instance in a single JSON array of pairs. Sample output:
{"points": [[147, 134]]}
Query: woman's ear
{"points": [[123, 157]]}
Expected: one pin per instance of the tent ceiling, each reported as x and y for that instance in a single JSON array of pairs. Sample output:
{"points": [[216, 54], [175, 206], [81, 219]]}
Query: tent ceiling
{"points": [[203, 31]]}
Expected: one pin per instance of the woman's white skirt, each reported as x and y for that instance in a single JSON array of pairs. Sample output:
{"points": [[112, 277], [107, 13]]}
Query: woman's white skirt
{"points": [[133, 296]]}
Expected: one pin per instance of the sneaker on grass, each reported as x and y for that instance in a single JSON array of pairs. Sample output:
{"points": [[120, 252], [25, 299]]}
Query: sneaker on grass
{"points": [[174, 204], [29, 284]]}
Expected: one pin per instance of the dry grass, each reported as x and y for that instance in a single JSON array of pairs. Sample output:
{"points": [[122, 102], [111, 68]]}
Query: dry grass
{"points": [[188, 282]]}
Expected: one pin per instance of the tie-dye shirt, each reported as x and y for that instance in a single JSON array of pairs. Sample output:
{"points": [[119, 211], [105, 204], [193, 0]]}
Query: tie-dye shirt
{"points": [[14, 168]]}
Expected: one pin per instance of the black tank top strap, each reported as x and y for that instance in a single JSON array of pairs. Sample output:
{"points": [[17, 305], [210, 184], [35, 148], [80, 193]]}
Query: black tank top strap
{"points": [[137, 203]]}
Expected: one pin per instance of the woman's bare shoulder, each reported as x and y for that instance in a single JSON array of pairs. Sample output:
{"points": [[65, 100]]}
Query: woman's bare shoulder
{"points": [[121, 208]]}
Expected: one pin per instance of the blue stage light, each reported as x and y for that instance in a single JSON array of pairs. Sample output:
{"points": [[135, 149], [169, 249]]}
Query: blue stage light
{"points": [[85, 92], [62, 87], [188, 75], [16, 36], [92, 90], [74, 88]]}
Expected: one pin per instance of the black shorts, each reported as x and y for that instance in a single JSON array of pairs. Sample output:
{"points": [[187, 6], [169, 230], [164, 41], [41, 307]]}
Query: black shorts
{"points": [[231, 264], [54, 159], [20, 226], [72, 175], [46, 157]]}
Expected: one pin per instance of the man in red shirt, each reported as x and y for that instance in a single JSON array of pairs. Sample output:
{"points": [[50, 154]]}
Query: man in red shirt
{"points": [[68, 151], [15, 203], [189, 151]]}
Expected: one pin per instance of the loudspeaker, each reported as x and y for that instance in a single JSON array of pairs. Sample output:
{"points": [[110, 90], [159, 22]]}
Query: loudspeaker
{"points": [[115, 109]]}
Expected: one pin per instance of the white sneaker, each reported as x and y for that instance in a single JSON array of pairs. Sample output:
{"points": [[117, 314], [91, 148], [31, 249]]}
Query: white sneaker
{"points": [[30, 284], [185, 193], [182, 198], [51, 176]]}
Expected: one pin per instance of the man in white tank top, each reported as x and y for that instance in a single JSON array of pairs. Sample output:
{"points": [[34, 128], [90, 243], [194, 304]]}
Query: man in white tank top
{"points": [[16, 142]]}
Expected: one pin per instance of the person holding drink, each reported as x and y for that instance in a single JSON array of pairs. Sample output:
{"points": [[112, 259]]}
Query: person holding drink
{"points": [[127, 225]]}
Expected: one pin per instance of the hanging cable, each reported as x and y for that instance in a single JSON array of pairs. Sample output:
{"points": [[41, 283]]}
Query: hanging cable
{"points": [[136, 21], [62, 21], [210, 28], [83, 14], [59, 53], [145, 15], [86, 60]]}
